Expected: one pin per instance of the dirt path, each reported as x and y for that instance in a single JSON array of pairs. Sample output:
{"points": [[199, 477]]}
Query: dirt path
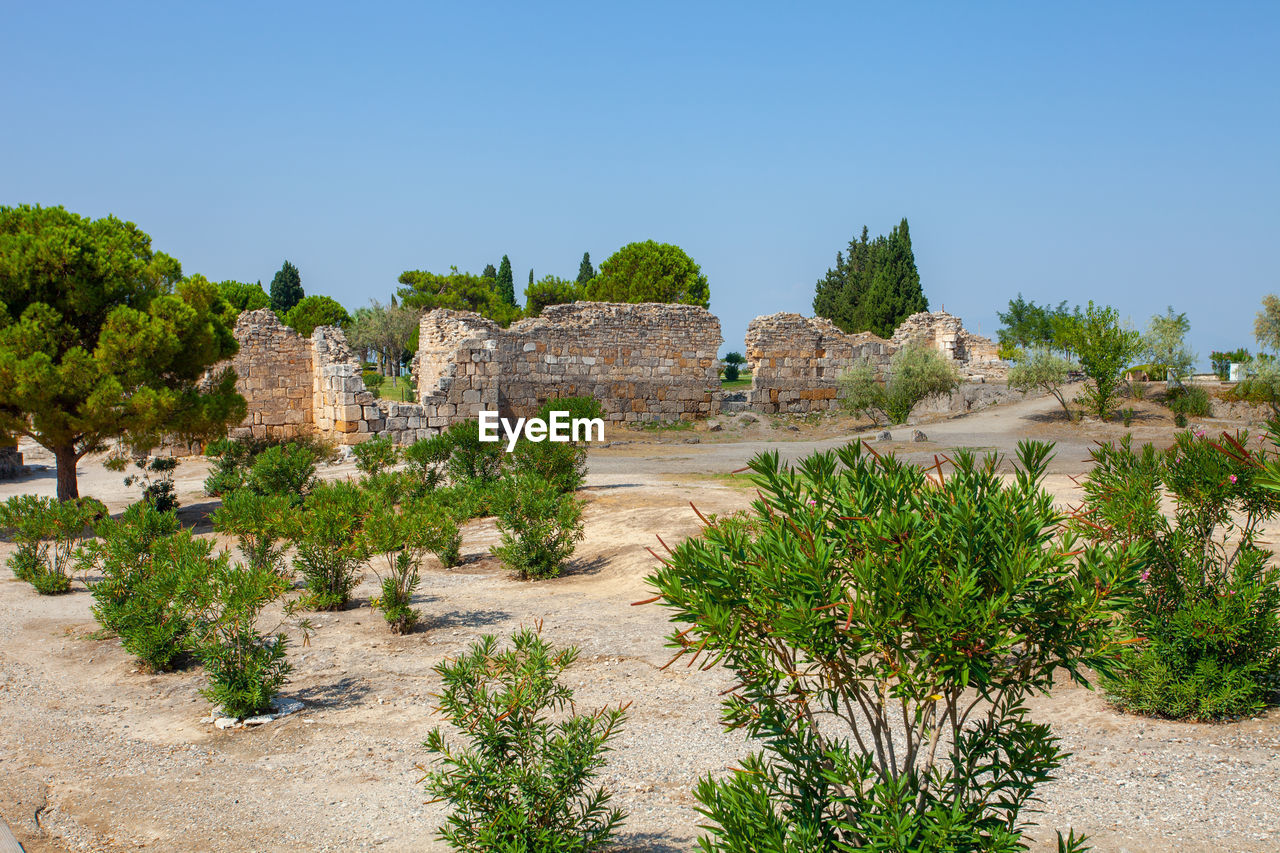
{"points": [[95, 755]]}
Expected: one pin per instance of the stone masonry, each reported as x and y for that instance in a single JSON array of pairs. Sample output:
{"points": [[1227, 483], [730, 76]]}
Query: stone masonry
{"points": [[645, 362], [10, 461], [795, 360]]}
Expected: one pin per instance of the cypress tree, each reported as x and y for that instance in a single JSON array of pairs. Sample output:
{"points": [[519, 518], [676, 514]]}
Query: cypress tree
{"points": [[531, 276], [506, 286], [489, 272], [286, 289], [586, 272], [874, 286]]}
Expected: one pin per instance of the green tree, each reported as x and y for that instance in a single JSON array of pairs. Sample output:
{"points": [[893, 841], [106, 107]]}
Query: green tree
{"points": [[586, 272], [1044, 370], [315, 311], [286, 289], [733, 365], [1028, 326], [1165, 345], [1266, 327], [426, 291], [914, 374], [490, 272], [240, 297], [549, 291], [505, 287], [387, 330], [650, 272], [102, 338], [1104, 349], [874, 287]]}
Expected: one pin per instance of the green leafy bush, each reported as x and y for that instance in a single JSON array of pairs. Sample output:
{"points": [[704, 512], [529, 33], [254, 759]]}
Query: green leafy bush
{"points": [[232, 460], [914, 374], [1221, 361], [540, 526], [261, 524], [425, 462], [470, 459], [564, 464], [1189, 400], [1208, 601], [245, 665], [522, 782], [330, 543], [46, 532], [402, 537], [153, 584], [376, 455], [155, 475], [862, 609], [287, 470]]}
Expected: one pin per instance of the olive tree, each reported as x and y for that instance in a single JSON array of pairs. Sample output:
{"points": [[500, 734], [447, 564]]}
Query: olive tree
{"points": [[102, 338], [1104, 349], [1044, 370], [914, 374]]}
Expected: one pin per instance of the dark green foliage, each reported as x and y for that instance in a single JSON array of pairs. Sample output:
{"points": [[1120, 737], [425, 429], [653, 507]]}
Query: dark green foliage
{"points": [[46, 532], [540, 526], [1208, 602], [373, 380], [287, 470], [245, 665], [261, 524], [874, 287], [1221, 361], [1028, 326], [649, 272], [563, 464], [239, 297], [330, 543], [586, 272], [867, 597], [522, 783], [1104, 349], [470, 459], [490, 272], [425, 462], [376, 455], [313, 311], [286, 289], [232, 460], [155, 475], [733, 365], [153, 585], [402, 537], [1189, 400], [504, 285], [550, 291], [458, 290]]}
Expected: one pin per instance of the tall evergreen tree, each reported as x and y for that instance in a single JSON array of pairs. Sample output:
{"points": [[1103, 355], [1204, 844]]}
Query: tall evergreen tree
{"points": [[586, 272], [531, 275], [506, 286], [874, 286], [489, 272], [286, 289]]}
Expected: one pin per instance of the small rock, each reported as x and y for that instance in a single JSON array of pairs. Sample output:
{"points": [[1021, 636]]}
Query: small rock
{"points": [[793, 427], [224, 722], [259, 720], [285, 707], [917, 435], [716, 427], [885, 436], [693, 439]]}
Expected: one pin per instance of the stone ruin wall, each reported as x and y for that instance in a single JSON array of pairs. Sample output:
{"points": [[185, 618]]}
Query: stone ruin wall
{"points": [[643, 362], [10, 461], [795, 360], [273, 374]]}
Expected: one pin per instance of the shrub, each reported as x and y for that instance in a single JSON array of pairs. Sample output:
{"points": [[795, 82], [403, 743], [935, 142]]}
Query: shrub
{"points": [[1126, 415], [914, 374], [1262, 384], [373, 380], [1044, 370], [522, 782], [564, 464], [1189, 400], [232, 459], [425, 462], [46, 532], [868, 599], [245, 666], [1138, 389], [330, 543], [154, 584], [261, 523], [155, 475], [1103, 347], [373, 457], [470, 459], [1221, 361], [403, 537], [1207, 604], [287, 470], [539, 524]]}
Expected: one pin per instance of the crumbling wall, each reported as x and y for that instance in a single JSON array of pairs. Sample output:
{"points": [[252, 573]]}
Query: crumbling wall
{"points": [[274, 375], [346, 411], [645, 362], [795, 360], [10, 461]]}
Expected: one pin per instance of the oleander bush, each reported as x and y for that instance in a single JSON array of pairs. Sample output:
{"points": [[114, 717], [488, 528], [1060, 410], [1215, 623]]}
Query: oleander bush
{"points": [[472, 461], [47, 533], [154, 474], [426, 462], [522, 782], [263, 524], [540, 526], [376, 455], [885, 626], [330, 542], [400, 539], [1208, 599], [563, 464], [286, 470], [232, 460], [1190, 401]]}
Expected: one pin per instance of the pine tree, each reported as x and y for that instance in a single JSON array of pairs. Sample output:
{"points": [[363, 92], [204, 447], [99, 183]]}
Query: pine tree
{"points": [[506, 286], [586, 272], [489, 272], [530, 276], [874, 286], [286, 289]]}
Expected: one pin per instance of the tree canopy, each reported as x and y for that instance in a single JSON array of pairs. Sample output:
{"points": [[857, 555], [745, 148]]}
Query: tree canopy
{"points": [[1104, 348], [874, 287], [650, 272], [550, 290], [506, 286], [461, 291], [315, 311], [586, 272], [240, 297], [1266, 327], [286, 289], [390, 331], [1028, 326], [102, 338], [1165, 347]]}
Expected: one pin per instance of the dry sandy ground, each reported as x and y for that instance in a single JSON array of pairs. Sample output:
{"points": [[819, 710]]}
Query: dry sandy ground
{"points": [[96, 755]]}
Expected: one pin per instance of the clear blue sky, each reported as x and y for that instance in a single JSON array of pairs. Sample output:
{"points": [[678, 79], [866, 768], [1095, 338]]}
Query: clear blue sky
{"points": [[1126, 153]]}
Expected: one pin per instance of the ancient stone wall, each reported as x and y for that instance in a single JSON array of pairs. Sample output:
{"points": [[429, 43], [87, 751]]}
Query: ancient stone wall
{"points": [[646, 362], [10, 462], [795, 360], [273, 369]]}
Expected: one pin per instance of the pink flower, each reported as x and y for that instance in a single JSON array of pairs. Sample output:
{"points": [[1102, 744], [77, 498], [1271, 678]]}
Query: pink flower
{"points": [[1232, 478], [812, 502], [1146, 573], [1199, 433]]}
